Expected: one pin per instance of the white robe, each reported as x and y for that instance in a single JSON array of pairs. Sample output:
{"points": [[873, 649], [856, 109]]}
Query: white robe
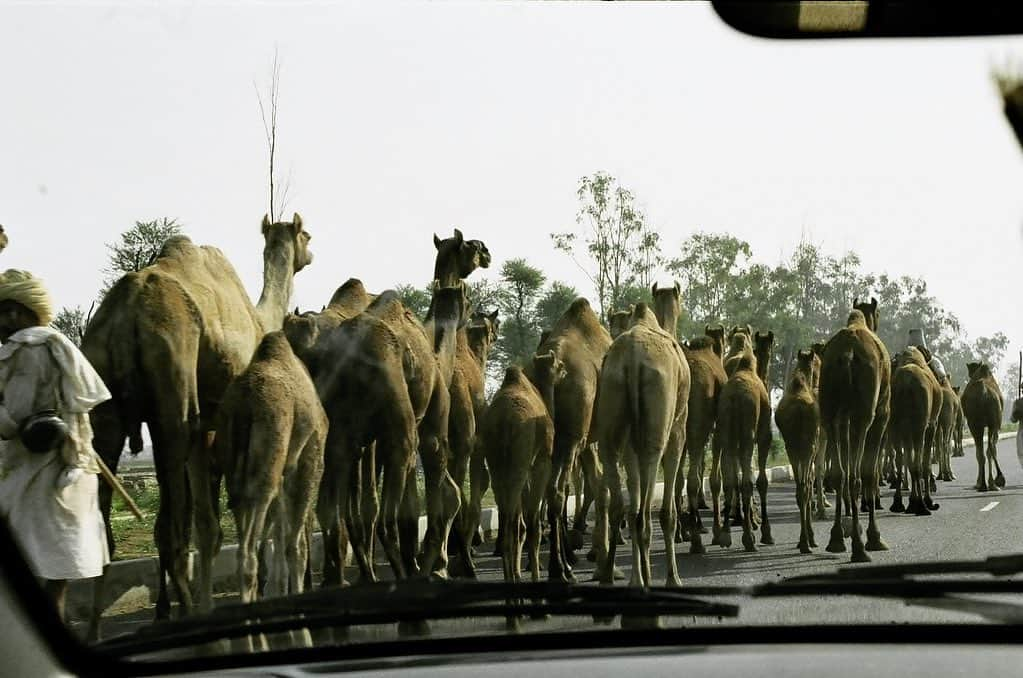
{"points": [[60, 532]]}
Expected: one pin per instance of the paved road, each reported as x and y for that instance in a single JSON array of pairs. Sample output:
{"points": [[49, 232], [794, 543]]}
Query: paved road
{"points": [[968, 525]]}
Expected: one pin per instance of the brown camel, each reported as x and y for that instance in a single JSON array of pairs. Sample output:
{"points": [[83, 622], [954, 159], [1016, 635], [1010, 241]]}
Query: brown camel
{"points": [[167, 341], [820, 464], [707, 377], [958, 425], [916, 405], [946, 429], [517, 432], [619, 321], [271, 429], [740, 410], [641, 422], [304, 329], [383, 378], [982, 408], [468, 403], [457, 258], [855, 393], [798, 418], [580, 342], [717, 336], [740, 339]]}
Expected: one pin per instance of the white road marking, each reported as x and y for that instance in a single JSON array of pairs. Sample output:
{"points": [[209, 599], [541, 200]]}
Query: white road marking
{"points": [[990, 506]]}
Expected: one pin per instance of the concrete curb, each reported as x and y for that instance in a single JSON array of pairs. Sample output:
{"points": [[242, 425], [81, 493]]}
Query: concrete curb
{"points": [[132, 585]]}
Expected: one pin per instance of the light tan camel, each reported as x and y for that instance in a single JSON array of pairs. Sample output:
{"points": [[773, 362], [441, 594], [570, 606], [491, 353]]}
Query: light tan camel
{"points": [[580, 342], [707, 376], [641, 422], [916, 405], [958, 425], [468, 403], [740, 339], [167, 341], [798, 418], [855, 393], [271, 429], [517, 432], [982, 408], [740, 409]]}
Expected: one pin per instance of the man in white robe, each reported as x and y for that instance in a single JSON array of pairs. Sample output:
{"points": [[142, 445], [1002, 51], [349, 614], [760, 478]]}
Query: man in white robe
{"points": [[50, 498]]}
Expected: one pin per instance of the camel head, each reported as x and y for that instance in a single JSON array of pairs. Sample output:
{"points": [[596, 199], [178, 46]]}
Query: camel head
{"points": [[548, 371], [807, 365], [482, 331], [620, 321], [971, 369], [302, 332], [667, 303], [764, 341], [740, 329], [544, 336], [1017, 410], [3, 239], [818, 348], [717, 335], [739, 342], [457, 257], [285, 234], [911, 355], [870, 312]]}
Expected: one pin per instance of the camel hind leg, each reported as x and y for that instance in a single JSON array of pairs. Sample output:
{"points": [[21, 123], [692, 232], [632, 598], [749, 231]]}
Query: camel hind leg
{"points": [[992, 457], [764, 438], [981, 452], [838, 443], [671, 461]]}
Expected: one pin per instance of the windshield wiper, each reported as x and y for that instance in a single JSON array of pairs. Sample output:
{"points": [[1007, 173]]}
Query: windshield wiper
{"points": [[418, 600], [901, 580]]}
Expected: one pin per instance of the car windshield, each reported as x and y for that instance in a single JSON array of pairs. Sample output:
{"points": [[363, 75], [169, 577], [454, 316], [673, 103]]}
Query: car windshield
{"points": [[363, 309]]}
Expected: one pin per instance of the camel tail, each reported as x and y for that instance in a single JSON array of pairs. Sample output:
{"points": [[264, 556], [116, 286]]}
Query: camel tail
{"points": [[234, 437], [636, 410]]}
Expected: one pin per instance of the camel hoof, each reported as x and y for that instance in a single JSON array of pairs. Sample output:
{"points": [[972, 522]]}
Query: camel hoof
{"points": [[931, 505], [1000, 480], [813, 542], [898, 507], [591, 555], [860, 557], [571, 557], [766, 538], [617, 573], [513, 624], [981, 487], [876, 544], [804, 547], [697, 548], [575, 539], [847, 526], [477, 538], [749, 543], [725, 540], [921, 510]]}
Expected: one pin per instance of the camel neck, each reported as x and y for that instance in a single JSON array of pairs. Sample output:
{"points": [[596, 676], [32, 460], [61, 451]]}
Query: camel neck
{"points": [[278, 284], [667, 318]]}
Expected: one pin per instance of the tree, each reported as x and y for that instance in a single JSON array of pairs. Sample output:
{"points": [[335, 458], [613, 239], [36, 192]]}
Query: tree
{"points": [[710, 270], [71, 322], [137, 248], [484, 294], [520, 331], [553, 304], [278, 190], [415, 299], [622, 249]]}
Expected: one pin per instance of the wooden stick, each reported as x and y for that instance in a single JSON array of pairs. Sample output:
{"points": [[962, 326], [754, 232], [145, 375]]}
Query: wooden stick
{"points": [[112, 480]]}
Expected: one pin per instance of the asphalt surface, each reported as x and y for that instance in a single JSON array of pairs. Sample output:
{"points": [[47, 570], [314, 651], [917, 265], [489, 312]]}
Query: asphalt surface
{"points": [[968, 525]]}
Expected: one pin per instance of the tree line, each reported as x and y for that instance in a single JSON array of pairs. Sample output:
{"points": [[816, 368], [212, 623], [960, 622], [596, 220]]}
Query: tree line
{"points": [[803, 299]]}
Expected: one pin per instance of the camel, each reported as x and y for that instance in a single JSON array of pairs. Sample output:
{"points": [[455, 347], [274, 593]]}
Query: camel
{"points": [[271, 430], [619, 321], [517, 432], [580, 342], [946, 429], [386, 397], [798, 418], [304, 329], [717, 336], [740, 339], [763, 344], [457, 258], [820, 464], [4, 241], [916, 404], [468, 403], [641, 421], [855, 392], [740, 410], [958, 425], [707, 378], [167, 341], [982, 407]]}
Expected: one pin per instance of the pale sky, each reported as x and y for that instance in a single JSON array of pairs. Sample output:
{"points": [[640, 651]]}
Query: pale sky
{"points": [[402, 119]]}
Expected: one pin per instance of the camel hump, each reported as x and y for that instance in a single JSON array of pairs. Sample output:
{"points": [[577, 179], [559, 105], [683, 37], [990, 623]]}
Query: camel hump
{"points": [[176, 245], [856, 320], [701, 343], [643, 315], [387, 306], [513, 375], [746, 361], [351, 292], [274, 346], [579, 315]]}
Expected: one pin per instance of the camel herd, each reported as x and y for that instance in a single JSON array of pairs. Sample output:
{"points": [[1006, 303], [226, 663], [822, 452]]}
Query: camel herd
{"points": [[320, 417]]}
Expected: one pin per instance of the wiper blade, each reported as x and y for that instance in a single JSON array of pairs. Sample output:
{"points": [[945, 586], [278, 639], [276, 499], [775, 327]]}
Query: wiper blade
{"points": [[418, 600], [899, 580]]}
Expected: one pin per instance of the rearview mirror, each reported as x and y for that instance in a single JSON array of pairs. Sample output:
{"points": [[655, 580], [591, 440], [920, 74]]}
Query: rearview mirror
{"points": [[870, 18]]}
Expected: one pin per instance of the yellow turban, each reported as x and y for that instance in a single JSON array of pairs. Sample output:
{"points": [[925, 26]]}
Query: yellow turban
{"points": [[27, 290]]}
